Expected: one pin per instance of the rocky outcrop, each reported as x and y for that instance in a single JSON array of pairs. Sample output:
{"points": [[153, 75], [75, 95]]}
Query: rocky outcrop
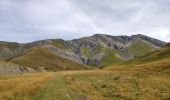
{"points": [[9, 68], [96, 59], [64, 53]]}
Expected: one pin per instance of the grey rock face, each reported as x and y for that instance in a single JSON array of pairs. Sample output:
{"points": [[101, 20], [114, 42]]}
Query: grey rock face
{"points": [[96, 59], [64, 53], [8, 68], [85, 60]]}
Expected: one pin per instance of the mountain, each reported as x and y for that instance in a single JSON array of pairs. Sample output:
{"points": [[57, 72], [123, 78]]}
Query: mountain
{"points": [[104, 50], [97, 50]]}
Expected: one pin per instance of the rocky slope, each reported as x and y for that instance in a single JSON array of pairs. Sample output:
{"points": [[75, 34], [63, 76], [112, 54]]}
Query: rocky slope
{"points": [[115, 49], [97, 50]]}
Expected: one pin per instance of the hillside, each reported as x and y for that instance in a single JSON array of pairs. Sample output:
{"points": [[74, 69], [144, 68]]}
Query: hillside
{"points": [[124, 48], [39, 57], [161, 54], [152, 64], [140, 47]]}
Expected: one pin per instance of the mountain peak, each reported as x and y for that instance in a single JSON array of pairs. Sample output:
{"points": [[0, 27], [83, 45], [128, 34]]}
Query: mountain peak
{"points": [[139, 35], [98, 35]]}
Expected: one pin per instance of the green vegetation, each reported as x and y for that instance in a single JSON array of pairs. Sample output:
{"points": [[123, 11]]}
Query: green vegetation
{"points": [[55, 89], [157, 55], [110, 58], [41, 57], [139, 48], [99, 49], [85, 51]]}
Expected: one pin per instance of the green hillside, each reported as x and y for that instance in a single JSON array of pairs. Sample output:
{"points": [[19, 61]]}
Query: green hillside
{"points": [[110, 58], [42, 57], [157, 55], [85, 51], [140, 47]]}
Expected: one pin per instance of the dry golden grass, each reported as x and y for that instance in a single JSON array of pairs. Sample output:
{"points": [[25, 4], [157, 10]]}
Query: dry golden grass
{"points": [[85, 87], [22, 87], [120, 86], [162, 66], [149, 81]]}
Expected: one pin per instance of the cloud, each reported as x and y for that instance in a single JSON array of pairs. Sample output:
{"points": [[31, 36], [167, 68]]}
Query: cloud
{"points": [[168, 37], [41, 19]]}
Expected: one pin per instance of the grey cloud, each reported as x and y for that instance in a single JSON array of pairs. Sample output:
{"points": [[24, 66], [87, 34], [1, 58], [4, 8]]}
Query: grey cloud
{"points": [[39, 19]]}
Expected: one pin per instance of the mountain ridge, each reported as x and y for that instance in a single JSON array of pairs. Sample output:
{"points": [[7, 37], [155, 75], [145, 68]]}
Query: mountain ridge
{"points": [[97, 50]]}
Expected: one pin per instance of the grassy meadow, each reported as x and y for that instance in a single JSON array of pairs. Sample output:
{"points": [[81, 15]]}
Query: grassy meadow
{"points": [[149, 81]]}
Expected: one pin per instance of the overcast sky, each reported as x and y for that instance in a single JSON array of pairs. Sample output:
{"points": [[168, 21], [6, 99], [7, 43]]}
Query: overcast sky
{"points": [[30, 20]]}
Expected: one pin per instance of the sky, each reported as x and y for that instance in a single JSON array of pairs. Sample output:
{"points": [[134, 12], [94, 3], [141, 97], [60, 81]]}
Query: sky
{"points": [[30, 20]]}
